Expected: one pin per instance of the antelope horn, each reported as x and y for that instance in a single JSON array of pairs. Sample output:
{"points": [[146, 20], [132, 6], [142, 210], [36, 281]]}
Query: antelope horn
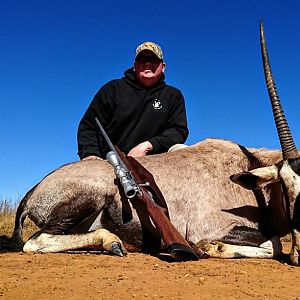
{"points": [[288, 147]]}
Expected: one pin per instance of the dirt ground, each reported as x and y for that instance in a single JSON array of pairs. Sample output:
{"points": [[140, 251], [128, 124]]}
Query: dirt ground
{"points": [[140, 276]]}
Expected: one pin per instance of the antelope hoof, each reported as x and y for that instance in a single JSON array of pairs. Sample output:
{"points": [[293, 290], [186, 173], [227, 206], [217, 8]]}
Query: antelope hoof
{"points": [[116, 248], [111, 243]]}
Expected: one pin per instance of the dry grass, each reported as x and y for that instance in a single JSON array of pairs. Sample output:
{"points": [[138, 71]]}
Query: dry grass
{"points": [[7, 219]]}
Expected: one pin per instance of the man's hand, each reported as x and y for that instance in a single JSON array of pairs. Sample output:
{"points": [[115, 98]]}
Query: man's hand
{"points": [[141, 149], [92, 157]]}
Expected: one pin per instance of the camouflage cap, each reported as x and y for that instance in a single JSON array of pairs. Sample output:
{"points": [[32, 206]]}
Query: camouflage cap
{"points": [[156, 49]]}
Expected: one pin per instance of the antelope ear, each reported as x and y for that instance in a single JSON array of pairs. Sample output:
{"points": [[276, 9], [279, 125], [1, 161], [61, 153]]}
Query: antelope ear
{"points": [[257, 178]]}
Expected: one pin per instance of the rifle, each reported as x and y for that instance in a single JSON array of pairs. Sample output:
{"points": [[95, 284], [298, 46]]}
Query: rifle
{"points": [[139, 186]]}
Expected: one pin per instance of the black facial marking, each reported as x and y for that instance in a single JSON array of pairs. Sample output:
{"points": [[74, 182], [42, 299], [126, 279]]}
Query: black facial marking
{"points": [[295, 164], [296, 214]]}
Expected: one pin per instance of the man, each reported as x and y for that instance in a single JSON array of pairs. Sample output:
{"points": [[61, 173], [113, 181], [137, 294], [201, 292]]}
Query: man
{"points": [[141, 114]]}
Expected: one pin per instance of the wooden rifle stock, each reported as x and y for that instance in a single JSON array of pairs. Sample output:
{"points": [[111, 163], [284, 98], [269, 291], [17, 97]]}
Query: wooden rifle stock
{"points": [[150, 196], [157, 210]]}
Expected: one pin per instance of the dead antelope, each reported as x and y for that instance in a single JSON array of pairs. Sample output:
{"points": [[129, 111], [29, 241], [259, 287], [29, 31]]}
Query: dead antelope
{"points": [[204, 205]]}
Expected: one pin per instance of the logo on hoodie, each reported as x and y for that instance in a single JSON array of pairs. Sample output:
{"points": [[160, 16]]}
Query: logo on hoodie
{"points": [[156, 104]]}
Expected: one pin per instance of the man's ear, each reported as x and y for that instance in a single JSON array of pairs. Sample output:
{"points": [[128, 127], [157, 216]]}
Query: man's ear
{"points": [[257, 178], [163, 67]]}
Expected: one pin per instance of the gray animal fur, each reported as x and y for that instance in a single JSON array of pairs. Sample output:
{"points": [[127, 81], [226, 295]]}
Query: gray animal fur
{"points": [[203, 202]]}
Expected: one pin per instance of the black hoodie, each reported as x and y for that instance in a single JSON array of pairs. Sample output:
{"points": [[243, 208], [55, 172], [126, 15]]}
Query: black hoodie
{"points": [[131, 114]]}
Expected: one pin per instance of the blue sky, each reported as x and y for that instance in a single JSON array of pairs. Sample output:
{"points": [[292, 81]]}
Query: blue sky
{"points": [[55, 55]]}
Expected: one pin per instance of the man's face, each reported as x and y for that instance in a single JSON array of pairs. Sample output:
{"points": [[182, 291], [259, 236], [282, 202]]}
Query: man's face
{"points": [[148, 68]]}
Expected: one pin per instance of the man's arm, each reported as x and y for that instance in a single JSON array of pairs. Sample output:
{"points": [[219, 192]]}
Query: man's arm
{"points": [[86, 138], [90, 144], [141, 149]]}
